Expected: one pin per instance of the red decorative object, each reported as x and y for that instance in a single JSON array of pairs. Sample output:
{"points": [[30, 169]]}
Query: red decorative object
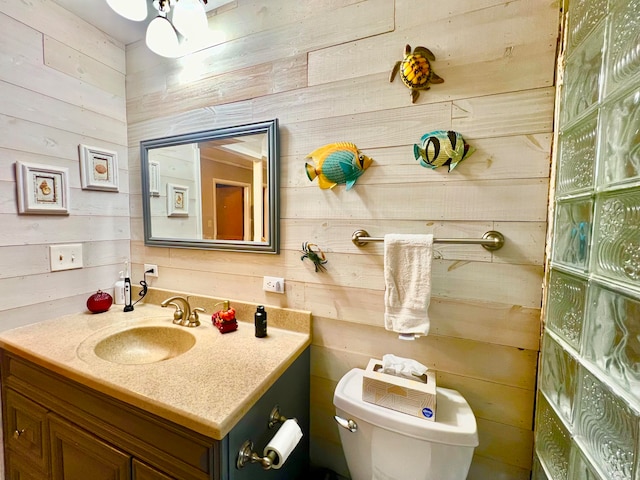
{"points": [[99, 302], [225, 319]]}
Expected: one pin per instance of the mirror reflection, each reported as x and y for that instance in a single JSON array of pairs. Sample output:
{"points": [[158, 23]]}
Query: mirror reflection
{"points": [[216, 189]]}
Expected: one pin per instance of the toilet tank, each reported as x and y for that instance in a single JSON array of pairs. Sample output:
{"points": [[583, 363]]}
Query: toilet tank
{"points": [[390, 445]]}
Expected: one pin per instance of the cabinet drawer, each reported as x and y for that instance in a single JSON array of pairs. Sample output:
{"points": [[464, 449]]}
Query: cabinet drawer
{"points": [[26, 431]]}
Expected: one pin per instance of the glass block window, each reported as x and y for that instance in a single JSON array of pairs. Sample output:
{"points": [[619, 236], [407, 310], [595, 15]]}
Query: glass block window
{"points": [[624, 43], [565, 306], [607, 428], [572, 233], [617, 242], [553, 440], [621, 138], [612, 336], [558, 377], [577, 157], [587, 418], [581, 468], [582, 81]]}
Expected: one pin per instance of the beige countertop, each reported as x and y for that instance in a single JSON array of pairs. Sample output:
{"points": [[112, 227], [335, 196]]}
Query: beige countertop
{"points": [[207, 389]]}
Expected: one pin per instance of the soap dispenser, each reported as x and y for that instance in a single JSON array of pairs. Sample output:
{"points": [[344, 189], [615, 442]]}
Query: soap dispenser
{"points": [[118, 288], [225, 319]]}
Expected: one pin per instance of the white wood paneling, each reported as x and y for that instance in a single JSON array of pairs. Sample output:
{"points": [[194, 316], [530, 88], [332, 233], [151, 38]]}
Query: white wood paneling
{"points": [[61, 85], [67, 60], [523, 37], [38, 108], [49, 18], [21, 63], [497, 58], [322, 69]]}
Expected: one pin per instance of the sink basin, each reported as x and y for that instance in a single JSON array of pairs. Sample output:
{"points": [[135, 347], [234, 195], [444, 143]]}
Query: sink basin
{"points": [[141, 345]]}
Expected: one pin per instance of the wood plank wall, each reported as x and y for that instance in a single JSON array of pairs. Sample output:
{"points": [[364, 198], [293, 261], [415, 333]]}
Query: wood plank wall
{"points": [[62, 83], [322, 68]]}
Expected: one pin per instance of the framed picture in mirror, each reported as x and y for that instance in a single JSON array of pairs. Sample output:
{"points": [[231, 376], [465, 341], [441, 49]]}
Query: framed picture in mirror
{"points": [[177, 200]]}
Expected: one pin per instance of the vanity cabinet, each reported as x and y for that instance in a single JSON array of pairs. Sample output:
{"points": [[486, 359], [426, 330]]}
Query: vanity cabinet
{"points": [[59, 429], [78, 454]]}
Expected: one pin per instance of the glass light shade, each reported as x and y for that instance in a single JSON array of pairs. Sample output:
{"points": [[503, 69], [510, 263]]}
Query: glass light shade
{"points": [[190, 18], [135, 10], [162, 38]]}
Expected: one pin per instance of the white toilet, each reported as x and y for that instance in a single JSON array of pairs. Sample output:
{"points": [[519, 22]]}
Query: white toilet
{"points": [[383, 444]]}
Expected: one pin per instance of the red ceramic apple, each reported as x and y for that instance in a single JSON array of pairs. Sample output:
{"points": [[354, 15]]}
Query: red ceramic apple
{"points": [[99, 302]]}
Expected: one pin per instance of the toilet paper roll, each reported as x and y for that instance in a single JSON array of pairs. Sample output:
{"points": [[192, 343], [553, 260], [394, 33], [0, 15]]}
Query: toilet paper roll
{"points": [[284, 442]]}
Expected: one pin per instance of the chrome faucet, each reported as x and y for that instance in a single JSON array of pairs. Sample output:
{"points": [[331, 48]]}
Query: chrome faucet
{"points": [[183, 315]]}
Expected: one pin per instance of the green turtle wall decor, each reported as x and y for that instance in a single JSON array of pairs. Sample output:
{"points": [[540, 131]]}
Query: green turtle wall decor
{"points": [[415, 70]]}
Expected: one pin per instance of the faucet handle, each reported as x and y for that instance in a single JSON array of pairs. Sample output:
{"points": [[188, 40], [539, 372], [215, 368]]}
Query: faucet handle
{"points": [[177, 314], [194, 321]]}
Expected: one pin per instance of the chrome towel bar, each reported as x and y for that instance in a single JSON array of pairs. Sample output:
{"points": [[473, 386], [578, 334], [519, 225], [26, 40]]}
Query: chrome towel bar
{"points": [[491, 240]]}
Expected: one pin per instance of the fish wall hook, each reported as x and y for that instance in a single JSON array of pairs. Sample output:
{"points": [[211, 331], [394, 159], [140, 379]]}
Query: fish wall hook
{"points": [[337, 163], [442, 147]]}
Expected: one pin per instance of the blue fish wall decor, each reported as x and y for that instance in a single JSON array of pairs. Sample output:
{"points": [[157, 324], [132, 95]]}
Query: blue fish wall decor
{"points": [[337, 163], [442, 147]]}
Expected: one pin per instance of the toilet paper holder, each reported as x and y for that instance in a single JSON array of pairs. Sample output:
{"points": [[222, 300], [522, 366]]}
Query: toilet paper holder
{"points": [[275, 417], [246, 453]]}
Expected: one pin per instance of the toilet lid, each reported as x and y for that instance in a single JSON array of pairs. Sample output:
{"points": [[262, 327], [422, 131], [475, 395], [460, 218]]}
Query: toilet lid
{"points": [[455, 422]]}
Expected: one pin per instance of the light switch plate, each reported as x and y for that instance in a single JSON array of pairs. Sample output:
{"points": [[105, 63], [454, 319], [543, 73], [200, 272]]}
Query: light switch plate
{"points": [[65, 257]]}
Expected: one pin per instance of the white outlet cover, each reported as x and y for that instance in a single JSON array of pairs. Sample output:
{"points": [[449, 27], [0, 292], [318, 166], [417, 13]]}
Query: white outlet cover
{"points": [[273, 284]]}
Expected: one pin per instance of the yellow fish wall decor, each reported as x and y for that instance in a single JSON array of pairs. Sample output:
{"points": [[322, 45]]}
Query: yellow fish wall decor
{"points": [[337, 163], [442, 147]]}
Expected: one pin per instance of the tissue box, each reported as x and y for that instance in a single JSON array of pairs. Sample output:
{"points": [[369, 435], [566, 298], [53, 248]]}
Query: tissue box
{"points": [[413, 397]]}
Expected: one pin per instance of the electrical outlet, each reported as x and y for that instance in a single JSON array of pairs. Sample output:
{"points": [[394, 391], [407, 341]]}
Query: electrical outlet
{"points": [[273, 284], [65, 257], [150, 266]]}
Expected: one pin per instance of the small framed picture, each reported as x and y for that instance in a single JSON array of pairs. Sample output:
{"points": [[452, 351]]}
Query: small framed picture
{"points": [[98, 169], [154, 178], [177, 200], [42, 189]]}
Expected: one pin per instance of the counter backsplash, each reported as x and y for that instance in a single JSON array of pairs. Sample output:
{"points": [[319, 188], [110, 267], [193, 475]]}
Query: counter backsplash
{"points": [[293, 320]]}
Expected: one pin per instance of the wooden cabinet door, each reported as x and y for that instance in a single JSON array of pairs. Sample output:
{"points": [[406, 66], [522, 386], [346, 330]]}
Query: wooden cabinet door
{"points": [[142, 471], [78, 455], [18, 468], [26, 430]]}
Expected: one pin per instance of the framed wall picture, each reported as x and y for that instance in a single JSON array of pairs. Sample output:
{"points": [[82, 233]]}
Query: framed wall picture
{"points": [[98, 169], [154, 178], [177, 200], [42, 189]]}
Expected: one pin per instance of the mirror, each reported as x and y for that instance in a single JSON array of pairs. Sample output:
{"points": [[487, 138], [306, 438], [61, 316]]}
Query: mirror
{"points": [[216, 189]]}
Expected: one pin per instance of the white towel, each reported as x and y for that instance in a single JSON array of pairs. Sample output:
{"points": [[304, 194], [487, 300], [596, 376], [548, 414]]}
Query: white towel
{"points": [[407, 277]]}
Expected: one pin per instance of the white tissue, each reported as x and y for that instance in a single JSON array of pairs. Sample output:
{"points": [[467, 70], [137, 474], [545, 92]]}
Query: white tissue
{"points": [[402, 367], [284, 442]]}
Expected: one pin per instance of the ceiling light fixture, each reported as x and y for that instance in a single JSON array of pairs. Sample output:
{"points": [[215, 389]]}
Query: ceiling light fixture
{"points": [[165, 36], [135, 10]]}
